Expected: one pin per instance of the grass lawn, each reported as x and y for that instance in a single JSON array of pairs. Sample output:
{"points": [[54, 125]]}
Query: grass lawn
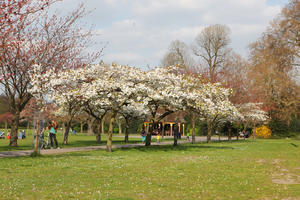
{"points": [[78, 140], [264, 169]]}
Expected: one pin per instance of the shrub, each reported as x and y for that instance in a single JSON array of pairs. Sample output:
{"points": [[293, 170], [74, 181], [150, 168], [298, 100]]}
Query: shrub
{"points": [[105, 129], [279, 128], [116, 130], [263, 132], [77, 129], [197, 131]]}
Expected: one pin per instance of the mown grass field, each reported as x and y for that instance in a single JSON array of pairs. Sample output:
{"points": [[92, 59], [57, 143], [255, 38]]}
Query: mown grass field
{"points": [[263, 169]]}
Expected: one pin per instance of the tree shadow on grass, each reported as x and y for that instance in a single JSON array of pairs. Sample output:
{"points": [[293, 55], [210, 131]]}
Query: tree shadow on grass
{"points": [[87, 143], [18, 148], [231, 141], [166, 148]]}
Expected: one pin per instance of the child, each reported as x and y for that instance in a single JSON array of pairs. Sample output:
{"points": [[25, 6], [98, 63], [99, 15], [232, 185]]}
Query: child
{"points": [[8, 135], [2, 136], [158, 138]]}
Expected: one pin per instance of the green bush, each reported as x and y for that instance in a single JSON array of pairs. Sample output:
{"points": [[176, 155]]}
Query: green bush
{"points": [[279, 128], [197, 131], [140, 128], [77, 129], [105, 129], [135, 126], [116, 130], [295, 125]]}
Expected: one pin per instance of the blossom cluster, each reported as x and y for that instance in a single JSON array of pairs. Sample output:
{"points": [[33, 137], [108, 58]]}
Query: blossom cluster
{"points": [[131, 91]]}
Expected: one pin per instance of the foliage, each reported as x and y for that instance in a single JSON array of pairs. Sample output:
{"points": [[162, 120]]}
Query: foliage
{"points": [[116, 130], [30, 34], [6, 117], [198, 131], [282, 129], [279, 127], [4, 107], [77, 129], [274, 64], [295, 125], [136, 126], [263, 132]]}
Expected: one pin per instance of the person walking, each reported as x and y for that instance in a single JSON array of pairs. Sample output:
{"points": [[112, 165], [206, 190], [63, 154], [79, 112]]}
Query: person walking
{"points": [[143, 134], [53, 130]]}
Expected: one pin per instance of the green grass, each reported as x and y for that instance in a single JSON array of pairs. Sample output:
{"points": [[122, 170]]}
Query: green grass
{"points": [[78, 140], [263, 169]]}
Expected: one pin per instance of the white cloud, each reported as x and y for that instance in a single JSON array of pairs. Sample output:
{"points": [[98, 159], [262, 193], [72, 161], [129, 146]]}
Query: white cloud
{"points": [[272, 11], [140, 31], [125, 58]]}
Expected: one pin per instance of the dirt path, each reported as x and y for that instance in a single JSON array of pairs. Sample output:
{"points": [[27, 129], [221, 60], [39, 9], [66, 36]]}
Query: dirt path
{"points": [[92, 148]]}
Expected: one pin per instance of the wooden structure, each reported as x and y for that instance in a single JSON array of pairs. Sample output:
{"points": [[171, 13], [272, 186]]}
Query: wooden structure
{"points": [[163, 125]]}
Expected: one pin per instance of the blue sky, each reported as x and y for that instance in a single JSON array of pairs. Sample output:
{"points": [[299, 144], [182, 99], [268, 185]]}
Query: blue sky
{"points": [[138, 32]]}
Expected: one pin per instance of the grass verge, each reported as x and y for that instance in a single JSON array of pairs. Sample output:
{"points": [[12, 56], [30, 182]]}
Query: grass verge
{"points": [[262, 169]]}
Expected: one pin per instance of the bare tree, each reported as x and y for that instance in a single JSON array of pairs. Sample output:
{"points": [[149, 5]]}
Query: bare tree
{"points": [[212, 47], [179, 54]]}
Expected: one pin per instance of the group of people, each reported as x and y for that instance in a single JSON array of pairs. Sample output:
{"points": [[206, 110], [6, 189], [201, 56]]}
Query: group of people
{"points": [[245, 134], [21, 135], [52, 127], [155, 132], [2, 135]]}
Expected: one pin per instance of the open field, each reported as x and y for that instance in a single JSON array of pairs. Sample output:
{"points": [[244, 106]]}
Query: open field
{"points": [[264, 169]]}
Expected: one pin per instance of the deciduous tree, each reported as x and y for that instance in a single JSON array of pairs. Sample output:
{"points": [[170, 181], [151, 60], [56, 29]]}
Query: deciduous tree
{"points": [[28, 35]]}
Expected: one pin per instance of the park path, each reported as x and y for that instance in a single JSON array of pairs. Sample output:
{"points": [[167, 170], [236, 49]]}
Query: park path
{"points": [[4, 154]]}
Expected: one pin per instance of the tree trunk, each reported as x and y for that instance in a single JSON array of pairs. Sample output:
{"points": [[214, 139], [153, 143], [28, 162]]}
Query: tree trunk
{"points": [[254, 132], [98, 138], [98, 134], [193, 130], [120, 126], [90, 126], [63, 125], [209, 129], [149, 134], [229, 133], [102, 125], [66, 134], [37, 131], [28, 123], [175, 134], [81, 127], [163, 130], [110, 132], [14, 130], [5, 126], [126, 133]]}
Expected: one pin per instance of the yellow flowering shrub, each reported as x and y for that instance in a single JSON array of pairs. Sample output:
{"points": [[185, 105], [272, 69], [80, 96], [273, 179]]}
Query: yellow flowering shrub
{"points": [[263, 132]]}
